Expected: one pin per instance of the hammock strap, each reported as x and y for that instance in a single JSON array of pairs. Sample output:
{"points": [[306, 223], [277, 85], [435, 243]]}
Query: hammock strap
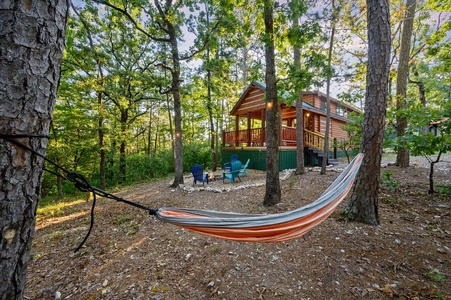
{"points": [[79, 181]]}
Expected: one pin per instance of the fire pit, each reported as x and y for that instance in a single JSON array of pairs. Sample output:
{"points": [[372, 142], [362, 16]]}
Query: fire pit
{"points": [[214, 177]]}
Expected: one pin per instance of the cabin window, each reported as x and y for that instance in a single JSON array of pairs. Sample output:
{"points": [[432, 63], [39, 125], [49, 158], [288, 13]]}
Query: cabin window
{"points": [[341, 111], [323, 104]]}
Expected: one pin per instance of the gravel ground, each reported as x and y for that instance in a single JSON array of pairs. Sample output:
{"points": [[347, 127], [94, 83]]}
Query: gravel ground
{"points": [[421, 161]]}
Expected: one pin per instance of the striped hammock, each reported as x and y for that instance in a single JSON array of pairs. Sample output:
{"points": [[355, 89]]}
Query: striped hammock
{"points": [[267, 228]]}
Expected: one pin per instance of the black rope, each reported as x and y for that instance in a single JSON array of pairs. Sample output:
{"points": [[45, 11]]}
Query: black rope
{"points": [[365, 143], [79, 181]]}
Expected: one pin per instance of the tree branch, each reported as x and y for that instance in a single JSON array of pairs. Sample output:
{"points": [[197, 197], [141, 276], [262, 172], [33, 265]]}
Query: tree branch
{"points": [[123, 11]]}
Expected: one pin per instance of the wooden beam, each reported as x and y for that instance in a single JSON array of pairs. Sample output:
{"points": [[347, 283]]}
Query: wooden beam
{"points": [[248, 129], [237, 130], [280, 124], [263, 133]]}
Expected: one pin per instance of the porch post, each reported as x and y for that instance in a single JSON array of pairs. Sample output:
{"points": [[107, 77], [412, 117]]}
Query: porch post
{"points": [[248, 129], [237, 130], [263, 132], [335, 148], [280, 124]]}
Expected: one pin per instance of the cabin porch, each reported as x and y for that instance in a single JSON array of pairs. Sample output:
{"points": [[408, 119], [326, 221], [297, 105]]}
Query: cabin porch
{"points": [[251, 143]]}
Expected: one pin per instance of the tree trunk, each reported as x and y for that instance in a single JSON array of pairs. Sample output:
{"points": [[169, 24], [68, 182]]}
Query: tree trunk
{"points": [[300, 166], [364, 204], [214, 155], [431, 178], [122, 162], [31, 48], [329, 76], [123, 148], [402, 158], [422, 95], [59, 186], [245, 65], [101, 134], [431, 172], [178, 153], [273, 194]]}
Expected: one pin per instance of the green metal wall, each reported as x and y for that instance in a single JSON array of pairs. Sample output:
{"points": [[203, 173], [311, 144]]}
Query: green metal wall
{"points": [[287, 158]]}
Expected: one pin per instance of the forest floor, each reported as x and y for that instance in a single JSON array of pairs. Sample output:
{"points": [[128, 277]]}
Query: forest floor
{"points": [[131, 255]]}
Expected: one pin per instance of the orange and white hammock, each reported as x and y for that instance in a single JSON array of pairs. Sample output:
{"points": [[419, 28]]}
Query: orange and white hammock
{"points": [[265, 228]]}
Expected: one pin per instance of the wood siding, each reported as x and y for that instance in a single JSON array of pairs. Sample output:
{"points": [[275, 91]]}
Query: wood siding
{"points": [[338, 132], [252, 101], [309, 99]]}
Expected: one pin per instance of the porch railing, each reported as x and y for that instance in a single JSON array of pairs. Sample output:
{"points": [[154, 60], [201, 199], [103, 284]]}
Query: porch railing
{"points": [[253, 137], [314, 140], [288, 136]]}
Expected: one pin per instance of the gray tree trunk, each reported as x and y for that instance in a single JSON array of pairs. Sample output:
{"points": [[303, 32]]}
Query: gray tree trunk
{"points": [[31, 48], [214, 154], [403, 157], [364, 204], [329, 76], [273, 194], [300, 165], [178, 154]]}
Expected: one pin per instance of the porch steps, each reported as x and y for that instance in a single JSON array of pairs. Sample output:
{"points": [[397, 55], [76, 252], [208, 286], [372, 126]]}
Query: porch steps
{"points": [[319, 155]]}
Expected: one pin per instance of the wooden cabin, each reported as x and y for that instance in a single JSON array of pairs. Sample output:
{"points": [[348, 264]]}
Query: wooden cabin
{"points": [[248, 138]]}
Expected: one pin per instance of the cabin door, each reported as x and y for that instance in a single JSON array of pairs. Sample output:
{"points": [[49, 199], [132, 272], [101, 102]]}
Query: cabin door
{"points": [[309, 123]]}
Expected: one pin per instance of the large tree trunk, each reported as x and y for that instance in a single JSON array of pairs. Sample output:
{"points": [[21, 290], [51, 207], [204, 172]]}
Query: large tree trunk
{"points": [[364, 204], [214, 156], [31, 48], [402, 158], [178, 153], [273, 194]]}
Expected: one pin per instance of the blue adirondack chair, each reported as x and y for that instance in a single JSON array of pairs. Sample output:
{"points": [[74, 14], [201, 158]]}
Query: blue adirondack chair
{"points": [[233, 173], [244, 167], [198, 174], [228, 165]]}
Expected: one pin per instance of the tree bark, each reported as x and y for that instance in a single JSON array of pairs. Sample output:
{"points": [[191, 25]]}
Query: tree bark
{"points": [[300, 165], [402, 158], [329, 76], [364, 204], [101, 143], [431, 172], [31, 48], [214, 155], [178, 153], [123, 148], [273, 194]]}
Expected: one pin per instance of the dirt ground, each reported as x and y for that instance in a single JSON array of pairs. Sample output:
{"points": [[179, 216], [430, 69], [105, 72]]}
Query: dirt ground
{"points": [[131, 255]]}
